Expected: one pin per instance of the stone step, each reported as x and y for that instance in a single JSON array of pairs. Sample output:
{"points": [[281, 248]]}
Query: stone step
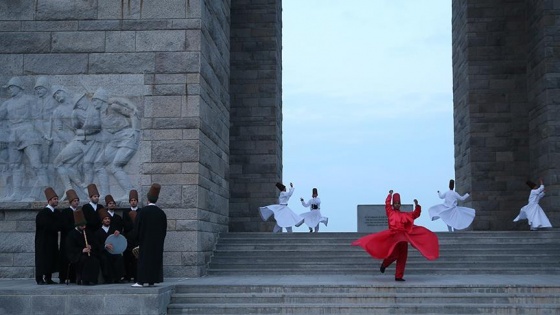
{"points": [[297, 255], [373, 270], [470, 252], [370, 298], [357, 308], [371, 289]]}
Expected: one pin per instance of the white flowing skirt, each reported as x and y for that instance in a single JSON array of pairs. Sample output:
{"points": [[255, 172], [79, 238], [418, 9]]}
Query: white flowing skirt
{"points": [[535, 215], [283, 215], [458, 218], [313, 218]]}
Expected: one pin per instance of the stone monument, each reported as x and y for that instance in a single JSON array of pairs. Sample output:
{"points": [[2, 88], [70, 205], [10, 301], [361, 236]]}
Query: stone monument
{"points": [[372, 218], [125, 93]]}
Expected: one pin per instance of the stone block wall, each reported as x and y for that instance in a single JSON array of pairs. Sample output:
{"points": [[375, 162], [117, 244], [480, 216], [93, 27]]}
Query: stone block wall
{"points": [[256, 111], [543, 88], [173, 59], [501, 95]]}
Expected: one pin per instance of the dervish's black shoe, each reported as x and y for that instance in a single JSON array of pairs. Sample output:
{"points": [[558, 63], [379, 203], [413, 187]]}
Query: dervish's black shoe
{"points": [[41, 282], [49, 281], [382, 269], [399, 279], [310, 230]]}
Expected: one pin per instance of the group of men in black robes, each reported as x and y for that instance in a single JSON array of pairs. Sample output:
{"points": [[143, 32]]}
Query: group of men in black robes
{"points": [[87, 248]]}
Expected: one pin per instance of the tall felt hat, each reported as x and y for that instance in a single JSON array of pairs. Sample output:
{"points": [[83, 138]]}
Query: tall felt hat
{"points": [[92, 190], [396, 198], [71, 195], [108, 199], [133, 194], [103, 213], [79, 217], [451, 184], [531, 184], [153, 193], [280, 186], [314, 191], [49, 193]]}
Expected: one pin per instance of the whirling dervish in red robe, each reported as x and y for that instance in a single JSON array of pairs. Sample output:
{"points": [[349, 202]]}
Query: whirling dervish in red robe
{"points": [[392, 244]]}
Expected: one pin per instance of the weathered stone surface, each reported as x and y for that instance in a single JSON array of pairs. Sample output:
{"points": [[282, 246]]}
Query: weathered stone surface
{"points": [[78, 42], [22, 42], [121, 63], [56, 64], [172, 60], [17, 10], [65, 10]]}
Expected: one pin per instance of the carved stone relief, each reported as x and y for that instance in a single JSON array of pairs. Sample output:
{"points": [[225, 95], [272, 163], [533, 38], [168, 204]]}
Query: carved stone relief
{"points": [[65, 138]]}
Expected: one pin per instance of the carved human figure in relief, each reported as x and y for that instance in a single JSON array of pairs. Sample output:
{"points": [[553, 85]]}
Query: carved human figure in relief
{"points": [[68, 162], [121, 124], [25, 140], [42, 114]]}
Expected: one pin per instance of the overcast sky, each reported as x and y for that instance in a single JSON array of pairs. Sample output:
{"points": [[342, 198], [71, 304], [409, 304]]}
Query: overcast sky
{"points": [[367, 104]]}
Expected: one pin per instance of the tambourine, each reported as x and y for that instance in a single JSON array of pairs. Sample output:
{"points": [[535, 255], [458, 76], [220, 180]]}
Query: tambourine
{"points": [[119, 244]]}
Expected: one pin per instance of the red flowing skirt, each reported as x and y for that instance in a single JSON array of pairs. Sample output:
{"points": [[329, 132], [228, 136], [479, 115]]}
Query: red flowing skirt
{"points": [[380, 245]]}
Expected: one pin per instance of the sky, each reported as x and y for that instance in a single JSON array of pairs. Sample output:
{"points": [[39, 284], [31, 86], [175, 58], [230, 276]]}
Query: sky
{"points": [[367, 104]]}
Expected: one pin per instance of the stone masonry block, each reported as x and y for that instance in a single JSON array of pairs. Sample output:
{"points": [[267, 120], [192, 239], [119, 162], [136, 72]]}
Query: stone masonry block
{"points": [[24, 259], [56, 64], [23, 242], [6, 260], [65, 10], [49, 26], [182, 213], [21, 305], [161, 168], [20, 215], [172, 258], [121, 63], [181, 241], [179, 78], [20, 10], [169, 89], [162, 106], [164, 40], [177, 62], [170, 9], [174, 151], [11, 65], [76, 42], [176, 123], [175, 180], [23, 42], [120, 41], [47, 304]]}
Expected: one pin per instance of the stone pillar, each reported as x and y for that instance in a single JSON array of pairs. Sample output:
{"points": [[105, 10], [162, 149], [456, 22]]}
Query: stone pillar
{"points": [[504, 111], [543, 88], [256, 111]]}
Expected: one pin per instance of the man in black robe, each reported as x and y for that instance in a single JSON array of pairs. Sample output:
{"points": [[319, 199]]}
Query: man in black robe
{"points": [[151, 229], [67, 271], [90, 209], [82, 250], [129, 216], [47, 225], [112, 265], [117, 222]]}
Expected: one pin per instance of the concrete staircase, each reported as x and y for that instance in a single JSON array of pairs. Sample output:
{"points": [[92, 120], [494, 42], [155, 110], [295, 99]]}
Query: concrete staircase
{"points": [[331, 253], [462, 254]]}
